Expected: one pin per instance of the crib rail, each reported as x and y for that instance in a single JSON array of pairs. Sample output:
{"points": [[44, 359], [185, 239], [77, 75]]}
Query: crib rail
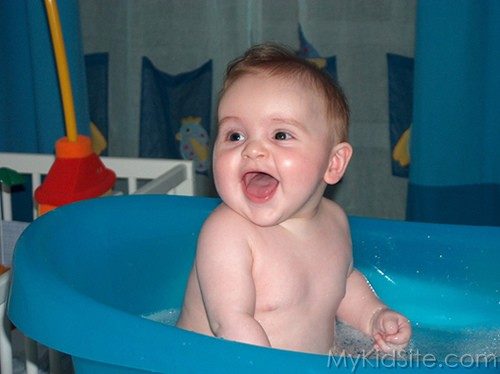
{"points": [[140, 176], [176, 177]]}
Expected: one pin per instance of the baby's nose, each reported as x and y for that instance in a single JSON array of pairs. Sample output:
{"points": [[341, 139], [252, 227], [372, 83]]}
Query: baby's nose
{"points": [[255, 149]]}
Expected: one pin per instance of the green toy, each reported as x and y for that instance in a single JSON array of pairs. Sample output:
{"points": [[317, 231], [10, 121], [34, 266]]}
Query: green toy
{"points": [[10, 177]]}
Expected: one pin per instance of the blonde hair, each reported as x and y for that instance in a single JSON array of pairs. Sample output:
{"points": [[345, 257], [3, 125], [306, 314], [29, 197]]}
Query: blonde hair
{"points": [[277, 60]]}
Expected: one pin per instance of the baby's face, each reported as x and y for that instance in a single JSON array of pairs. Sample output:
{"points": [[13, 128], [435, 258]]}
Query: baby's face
{"points": [[272, 149]]}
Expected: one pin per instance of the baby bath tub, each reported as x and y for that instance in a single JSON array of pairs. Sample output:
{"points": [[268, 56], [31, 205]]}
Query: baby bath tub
{"points": [[84, 275]]}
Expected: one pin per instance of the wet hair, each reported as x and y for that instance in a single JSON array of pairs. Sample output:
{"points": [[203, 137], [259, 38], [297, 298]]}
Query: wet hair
{"points": [[278, 60]]}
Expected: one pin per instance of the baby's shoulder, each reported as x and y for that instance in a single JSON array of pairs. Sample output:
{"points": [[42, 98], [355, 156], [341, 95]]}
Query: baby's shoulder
{"points": [[222, 240], [224, 213], [334, 212], [225, 220]]}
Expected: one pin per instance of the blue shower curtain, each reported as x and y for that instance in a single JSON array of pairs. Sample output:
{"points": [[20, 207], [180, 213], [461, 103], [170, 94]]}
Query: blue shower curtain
{"points": [[455, 139], [31, 118]]}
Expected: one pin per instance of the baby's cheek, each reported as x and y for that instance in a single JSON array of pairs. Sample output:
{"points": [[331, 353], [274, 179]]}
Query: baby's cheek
{"points": [[302, 168], [223, 166], [295, 164]]}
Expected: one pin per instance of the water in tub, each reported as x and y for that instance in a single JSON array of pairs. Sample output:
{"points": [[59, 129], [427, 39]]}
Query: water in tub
{"points": [[463, 346]]}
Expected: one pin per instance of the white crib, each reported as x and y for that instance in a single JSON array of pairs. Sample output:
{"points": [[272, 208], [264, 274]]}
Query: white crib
{"points": [[134, 176]]}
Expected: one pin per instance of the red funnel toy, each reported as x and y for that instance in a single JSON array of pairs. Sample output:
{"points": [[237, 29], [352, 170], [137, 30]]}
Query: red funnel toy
{"points": [[77, 174]]}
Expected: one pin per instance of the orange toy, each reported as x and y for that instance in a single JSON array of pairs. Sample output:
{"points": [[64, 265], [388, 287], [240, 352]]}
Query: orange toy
{"points": [[77, 172]]}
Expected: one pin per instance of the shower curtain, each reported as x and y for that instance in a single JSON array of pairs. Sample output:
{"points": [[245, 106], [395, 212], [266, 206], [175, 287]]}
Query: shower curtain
{"points": [[455, 138], [31, 118]]}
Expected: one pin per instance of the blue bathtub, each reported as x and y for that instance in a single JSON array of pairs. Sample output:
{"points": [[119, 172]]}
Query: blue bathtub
{"points": [[84, 274]]}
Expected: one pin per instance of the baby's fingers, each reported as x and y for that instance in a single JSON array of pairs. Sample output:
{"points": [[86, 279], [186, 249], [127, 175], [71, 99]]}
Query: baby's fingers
{"points": [[390, 326], [401, 336], [393, 327], [381, 344]]}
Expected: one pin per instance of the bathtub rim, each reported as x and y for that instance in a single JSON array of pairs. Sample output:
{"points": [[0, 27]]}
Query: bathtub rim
{"points": [[170, 341]]}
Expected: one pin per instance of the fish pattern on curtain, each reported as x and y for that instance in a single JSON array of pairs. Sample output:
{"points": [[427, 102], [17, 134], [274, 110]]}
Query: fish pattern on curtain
{"points": [[175, 114], [400, 83], [307, 51], [455, 142]]}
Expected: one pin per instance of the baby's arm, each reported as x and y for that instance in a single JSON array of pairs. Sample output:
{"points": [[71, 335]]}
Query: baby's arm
{"points": [[224, 268], [363, 310]]}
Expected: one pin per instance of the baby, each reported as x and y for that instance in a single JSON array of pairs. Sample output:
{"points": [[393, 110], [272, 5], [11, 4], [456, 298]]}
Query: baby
{"points": [[274, 262]]}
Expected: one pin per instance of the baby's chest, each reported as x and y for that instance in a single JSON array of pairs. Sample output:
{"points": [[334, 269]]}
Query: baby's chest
{"points": [[294, 277]]}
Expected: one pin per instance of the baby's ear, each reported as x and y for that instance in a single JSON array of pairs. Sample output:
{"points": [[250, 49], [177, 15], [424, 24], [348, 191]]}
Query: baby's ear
{"points": [[339, 159]]}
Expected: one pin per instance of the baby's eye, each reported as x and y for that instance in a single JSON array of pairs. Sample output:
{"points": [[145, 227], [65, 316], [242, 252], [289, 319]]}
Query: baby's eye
{"points": [[235, 137], [282, 135]]}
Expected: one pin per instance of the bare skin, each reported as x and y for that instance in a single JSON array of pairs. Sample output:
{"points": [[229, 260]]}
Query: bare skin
{"points": [[274, 261], [291, 293]]}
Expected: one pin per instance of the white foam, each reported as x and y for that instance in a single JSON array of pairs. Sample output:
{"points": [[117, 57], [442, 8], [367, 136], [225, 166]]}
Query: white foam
{"points": [[475, 344], [167, 317]]}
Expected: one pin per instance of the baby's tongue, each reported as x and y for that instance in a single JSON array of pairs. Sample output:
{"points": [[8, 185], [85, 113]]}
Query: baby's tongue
{"points": [[260, 185]]}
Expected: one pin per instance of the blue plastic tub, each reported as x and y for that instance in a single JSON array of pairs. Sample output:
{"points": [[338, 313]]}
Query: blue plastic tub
{"points": [[84, 275]]}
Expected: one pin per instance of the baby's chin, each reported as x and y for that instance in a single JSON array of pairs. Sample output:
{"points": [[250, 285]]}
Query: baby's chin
{"points": [[258, 214]]}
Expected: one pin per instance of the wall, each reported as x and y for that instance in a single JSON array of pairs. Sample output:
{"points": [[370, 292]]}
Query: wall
{"points": [[181, 35]]}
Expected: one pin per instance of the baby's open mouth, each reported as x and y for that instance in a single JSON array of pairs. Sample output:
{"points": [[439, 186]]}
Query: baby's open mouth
{"points": [[259, 187]]}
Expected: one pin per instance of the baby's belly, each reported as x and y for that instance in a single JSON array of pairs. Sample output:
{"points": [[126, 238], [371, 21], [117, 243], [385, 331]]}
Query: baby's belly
{"points": [[301, 331]]}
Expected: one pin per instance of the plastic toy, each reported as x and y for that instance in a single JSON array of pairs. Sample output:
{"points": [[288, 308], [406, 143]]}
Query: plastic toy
{"points": [[77, 172], [8, 177]]}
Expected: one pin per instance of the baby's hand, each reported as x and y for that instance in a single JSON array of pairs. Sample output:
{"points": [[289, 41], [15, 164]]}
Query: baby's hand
{"points": [[390, 330]]}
